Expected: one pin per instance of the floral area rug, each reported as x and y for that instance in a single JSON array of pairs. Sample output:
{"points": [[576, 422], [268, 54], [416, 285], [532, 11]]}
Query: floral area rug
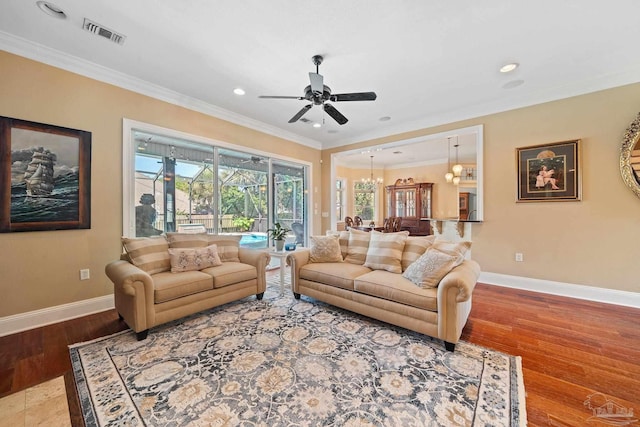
{"points": [[287, 362]]}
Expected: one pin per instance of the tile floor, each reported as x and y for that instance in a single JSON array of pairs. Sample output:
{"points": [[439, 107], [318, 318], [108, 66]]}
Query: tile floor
{"points": [[41, 405]]}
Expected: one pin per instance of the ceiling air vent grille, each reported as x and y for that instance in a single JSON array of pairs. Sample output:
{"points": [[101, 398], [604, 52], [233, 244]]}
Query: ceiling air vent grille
{"points": [[304, 120], [102, 31]]}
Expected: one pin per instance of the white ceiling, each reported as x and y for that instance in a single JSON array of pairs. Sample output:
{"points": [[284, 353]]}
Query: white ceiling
{"points": [[430, 62]]}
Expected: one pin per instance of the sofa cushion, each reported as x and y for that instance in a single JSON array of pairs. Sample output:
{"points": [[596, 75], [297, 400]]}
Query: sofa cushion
{"points": [[325, 249], [358, 246], [150, 254], [340, 275], [169, 286], [190, 259], [187, 240], [385, 251], [231, 272], [394, 287], [414, 247], [432, 266], [228, 246]]}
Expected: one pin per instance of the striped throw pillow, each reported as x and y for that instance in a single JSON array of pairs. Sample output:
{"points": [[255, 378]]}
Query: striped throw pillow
{"points": [[228, 246], [414, 247], [385, 251], [150, 254], [187, 240], [358, 246]]}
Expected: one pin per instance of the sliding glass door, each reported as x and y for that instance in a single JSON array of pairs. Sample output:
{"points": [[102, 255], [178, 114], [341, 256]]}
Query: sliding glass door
{"points": [[175, 184]]}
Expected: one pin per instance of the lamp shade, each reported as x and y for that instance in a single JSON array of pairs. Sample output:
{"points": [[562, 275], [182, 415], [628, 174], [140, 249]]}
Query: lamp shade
{"points": [[456, 180], [457, 169], [448, 176]]}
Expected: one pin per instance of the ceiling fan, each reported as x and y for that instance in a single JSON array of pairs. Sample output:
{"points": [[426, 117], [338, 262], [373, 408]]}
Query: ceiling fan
{"points": [[318, 94]]}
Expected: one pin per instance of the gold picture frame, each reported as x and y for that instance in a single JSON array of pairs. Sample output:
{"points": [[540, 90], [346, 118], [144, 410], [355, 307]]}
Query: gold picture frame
{"points": [[549, 172], [630, 156]]}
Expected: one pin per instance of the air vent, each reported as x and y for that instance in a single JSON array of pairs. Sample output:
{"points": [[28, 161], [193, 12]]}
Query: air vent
{"points": [[303, 120], [102, 31]]}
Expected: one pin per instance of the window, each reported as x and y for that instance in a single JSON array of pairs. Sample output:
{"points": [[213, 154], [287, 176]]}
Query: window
{"points": [[364, 201], [340, 197], [172, 183]]}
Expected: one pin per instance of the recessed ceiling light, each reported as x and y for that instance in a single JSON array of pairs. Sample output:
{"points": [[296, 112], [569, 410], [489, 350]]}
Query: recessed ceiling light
{"points": [[51, 9], [384, 119], [512, 84], [239, 91], [317, 125], [507, 68]]}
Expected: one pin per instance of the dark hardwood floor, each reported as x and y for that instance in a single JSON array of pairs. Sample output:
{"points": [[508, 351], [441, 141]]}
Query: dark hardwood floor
{"points": [[570, 349]]}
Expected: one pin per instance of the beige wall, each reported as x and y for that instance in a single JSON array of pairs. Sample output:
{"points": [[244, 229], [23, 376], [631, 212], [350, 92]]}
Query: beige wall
{"points": [[41, 269], [592, 242]]}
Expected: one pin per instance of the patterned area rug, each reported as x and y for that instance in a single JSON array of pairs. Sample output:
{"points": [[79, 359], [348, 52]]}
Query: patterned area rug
{"points": [[287, 362]]}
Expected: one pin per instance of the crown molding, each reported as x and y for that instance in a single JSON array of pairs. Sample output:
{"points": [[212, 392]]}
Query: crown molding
{"points": [[46, 55]]}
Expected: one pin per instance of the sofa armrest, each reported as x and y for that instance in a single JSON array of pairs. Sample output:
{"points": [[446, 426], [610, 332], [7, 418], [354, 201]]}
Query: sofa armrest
{"points": [[133, 293], [258, 259], [296, 260], [454, 300]]}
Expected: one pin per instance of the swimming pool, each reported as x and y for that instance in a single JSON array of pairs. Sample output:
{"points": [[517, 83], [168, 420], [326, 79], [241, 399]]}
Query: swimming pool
{"points": [[255, 241]]}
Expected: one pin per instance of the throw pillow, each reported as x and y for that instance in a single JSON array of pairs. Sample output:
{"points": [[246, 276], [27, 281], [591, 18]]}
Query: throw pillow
{"points": [[187, 240], [358, 246], [385, 251], [325, 249], [452, 247], [414, 247], [150, 254], [190, 259], [228, 246], [343, 238], [428, 270]]}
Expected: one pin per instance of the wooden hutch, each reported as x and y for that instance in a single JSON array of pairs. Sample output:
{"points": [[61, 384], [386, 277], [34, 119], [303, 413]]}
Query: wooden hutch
{"points": [[412, 202]]}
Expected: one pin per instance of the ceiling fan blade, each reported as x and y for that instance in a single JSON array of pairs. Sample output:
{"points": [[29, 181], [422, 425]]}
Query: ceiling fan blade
{"points": [[317, 82], [335, 114], [300, 113], [358, 96], [281, 97]]}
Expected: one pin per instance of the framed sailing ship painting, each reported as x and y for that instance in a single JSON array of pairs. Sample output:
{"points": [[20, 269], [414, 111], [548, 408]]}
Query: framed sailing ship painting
{"points": [[45, 177]]}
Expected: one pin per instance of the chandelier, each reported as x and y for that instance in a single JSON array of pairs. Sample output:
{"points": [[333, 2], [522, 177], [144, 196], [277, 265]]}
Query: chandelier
{"points": [[371, 181]]}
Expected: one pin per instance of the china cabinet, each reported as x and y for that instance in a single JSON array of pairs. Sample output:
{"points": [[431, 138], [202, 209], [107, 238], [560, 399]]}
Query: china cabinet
{"points": [[412, 202]]}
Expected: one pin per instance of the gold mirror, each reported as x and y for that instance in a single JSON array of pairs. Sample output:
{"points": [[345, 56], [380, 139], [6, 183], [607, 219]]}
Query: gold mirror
{"points": [[630, 157]]}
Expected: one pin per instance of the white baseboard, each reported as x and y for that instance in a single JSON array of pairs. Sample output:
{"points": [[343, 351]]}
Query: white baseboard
{"points": [[47, 316], [590, 293]]}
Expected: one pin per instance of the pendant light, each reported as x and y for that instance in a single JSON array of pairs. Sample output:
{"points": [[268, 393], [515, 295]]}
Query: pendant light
{"points": [[448, 176], [457, 168]]}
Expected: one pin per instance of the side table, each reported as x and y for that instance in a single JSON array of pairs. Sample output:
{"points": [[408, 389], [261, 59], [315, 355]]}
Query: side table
{"points": [[281, 255]]}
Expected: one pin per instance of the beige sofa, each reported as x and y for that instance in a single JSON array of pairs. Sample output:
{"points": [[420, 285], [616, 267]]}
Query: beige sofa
{"points": [[147, 293], [440, 312]]}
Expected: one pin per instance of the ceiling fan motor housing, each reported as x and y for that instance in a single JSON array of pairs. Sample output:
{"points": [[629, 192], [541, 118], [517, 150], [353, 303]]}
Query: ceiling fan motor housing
{"points": [[317, 98]]}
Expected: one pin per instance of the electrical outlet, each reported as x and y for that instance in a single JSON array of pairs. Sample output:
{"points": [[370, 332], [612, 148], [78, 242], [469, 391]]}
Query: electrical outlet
{"points": [[84, 274], [519, 257]]}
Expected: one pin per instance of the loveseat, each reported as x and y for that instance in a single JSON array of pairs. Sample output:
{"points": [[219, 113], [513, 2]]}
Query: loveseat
{"points": [[416, 282], [160, 279]]}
